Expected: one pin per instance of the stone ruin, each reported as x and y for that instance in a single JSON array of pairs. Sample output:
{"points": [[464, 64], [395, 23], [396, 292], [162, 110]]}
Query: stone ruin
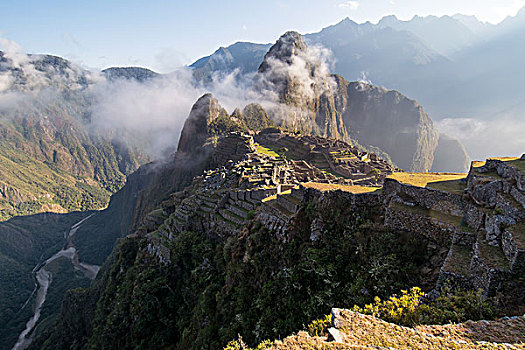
{"points": [[355, 166]]}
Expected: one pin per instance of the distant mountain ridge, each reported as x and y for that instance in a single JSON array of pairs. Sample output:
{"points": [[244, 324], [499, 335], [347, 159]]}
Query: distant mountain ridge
{"points": [[137, 73], [243, 56]]}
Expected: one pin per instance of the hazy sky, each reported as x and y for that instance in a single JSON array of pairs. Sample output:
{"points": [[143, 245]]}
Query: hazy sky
{"points": [[164, 34]]}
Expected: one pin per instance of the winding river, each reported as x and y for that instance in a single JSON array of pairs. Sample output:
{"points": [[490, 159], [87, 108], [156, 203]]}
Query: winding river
{"points": [[44, 279]]}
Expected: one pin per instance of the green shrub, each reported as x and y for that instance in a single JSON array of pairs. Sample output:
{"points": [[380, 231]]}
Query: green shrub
{"points": [[458, 306]]}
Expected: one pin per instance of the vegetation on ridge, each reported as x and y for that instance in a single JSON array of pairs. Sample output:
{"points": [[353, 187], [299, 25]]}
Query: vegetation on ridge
{"points": [[216, 288]]}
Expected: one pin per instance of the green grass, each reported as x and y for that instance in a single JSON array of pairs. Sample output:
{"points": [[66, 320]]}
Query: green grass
{"points": [[493, 256], [459, 260], [518, 164], [452, 186]]}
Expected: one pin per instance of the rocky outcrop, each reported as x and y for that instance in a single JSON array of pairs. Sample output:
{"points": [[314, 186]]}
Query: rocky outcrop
{"points": [[353, 330], [450, 156], [196, 128], [301, 82], [392, 122], [315, 102]]}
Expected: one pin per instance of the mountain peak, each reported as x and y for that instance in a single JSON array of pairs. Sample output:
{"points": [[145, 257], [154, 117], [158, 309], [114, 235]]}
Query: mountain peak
{"points": [[195, 130], [388, 20], [290, 44]]}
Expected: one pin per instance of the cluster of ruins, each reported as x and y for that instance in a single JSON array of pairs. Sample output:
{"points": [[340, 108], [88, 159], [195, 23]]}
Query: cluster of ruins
{"points": [[356, 167]]}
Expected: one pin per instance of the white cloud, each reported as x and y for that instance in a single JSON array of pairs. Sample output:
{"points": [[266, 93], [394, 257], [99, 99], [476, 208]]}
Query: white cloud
{"points": [[498, 137], [352, 5], [151, 114], [169, 59]]}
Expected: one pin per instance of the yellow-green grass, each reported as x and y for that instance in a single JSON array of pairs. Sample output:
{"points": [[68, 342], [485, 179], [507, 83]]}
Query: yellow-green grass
{"points": [[492, 255], [267, 151], [458, 260], [346, 188], [450, 186], [504, 159], [423, 179], [271, 198]]}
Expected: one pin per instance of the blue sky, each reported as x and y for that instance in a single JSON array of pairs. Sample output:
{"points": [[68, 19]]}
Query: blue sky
{"points": [[164, 34]]}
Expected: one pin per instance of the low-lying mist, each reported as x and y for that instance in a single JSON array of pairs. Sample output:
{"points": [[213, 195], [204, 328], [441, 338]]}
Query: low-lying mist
{"points": [[150, 114]]}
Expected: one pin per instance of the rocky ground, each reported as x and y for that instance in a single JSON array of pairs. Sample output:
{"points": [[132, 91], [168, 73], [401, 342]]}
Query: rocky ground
{"points": [[351, 330]]}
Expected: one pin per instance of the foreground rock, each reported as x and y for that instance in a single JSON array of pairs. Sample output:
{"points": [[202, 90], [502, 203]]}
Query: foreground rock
{"points": [[358, 331]]}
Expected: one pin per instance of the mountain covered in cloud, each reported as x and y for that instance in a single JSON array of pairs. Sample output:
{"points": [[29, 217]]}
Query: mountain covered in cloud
{"points": [[296, 74], [319, 103], [462, 70]]}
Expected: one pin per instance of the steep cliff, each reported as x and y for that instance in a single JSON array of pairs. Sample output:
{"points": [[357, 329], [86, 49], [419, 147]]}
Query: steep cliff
{"points": [[196, 128], [316, 102], [450, 155], [392, 122]]}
